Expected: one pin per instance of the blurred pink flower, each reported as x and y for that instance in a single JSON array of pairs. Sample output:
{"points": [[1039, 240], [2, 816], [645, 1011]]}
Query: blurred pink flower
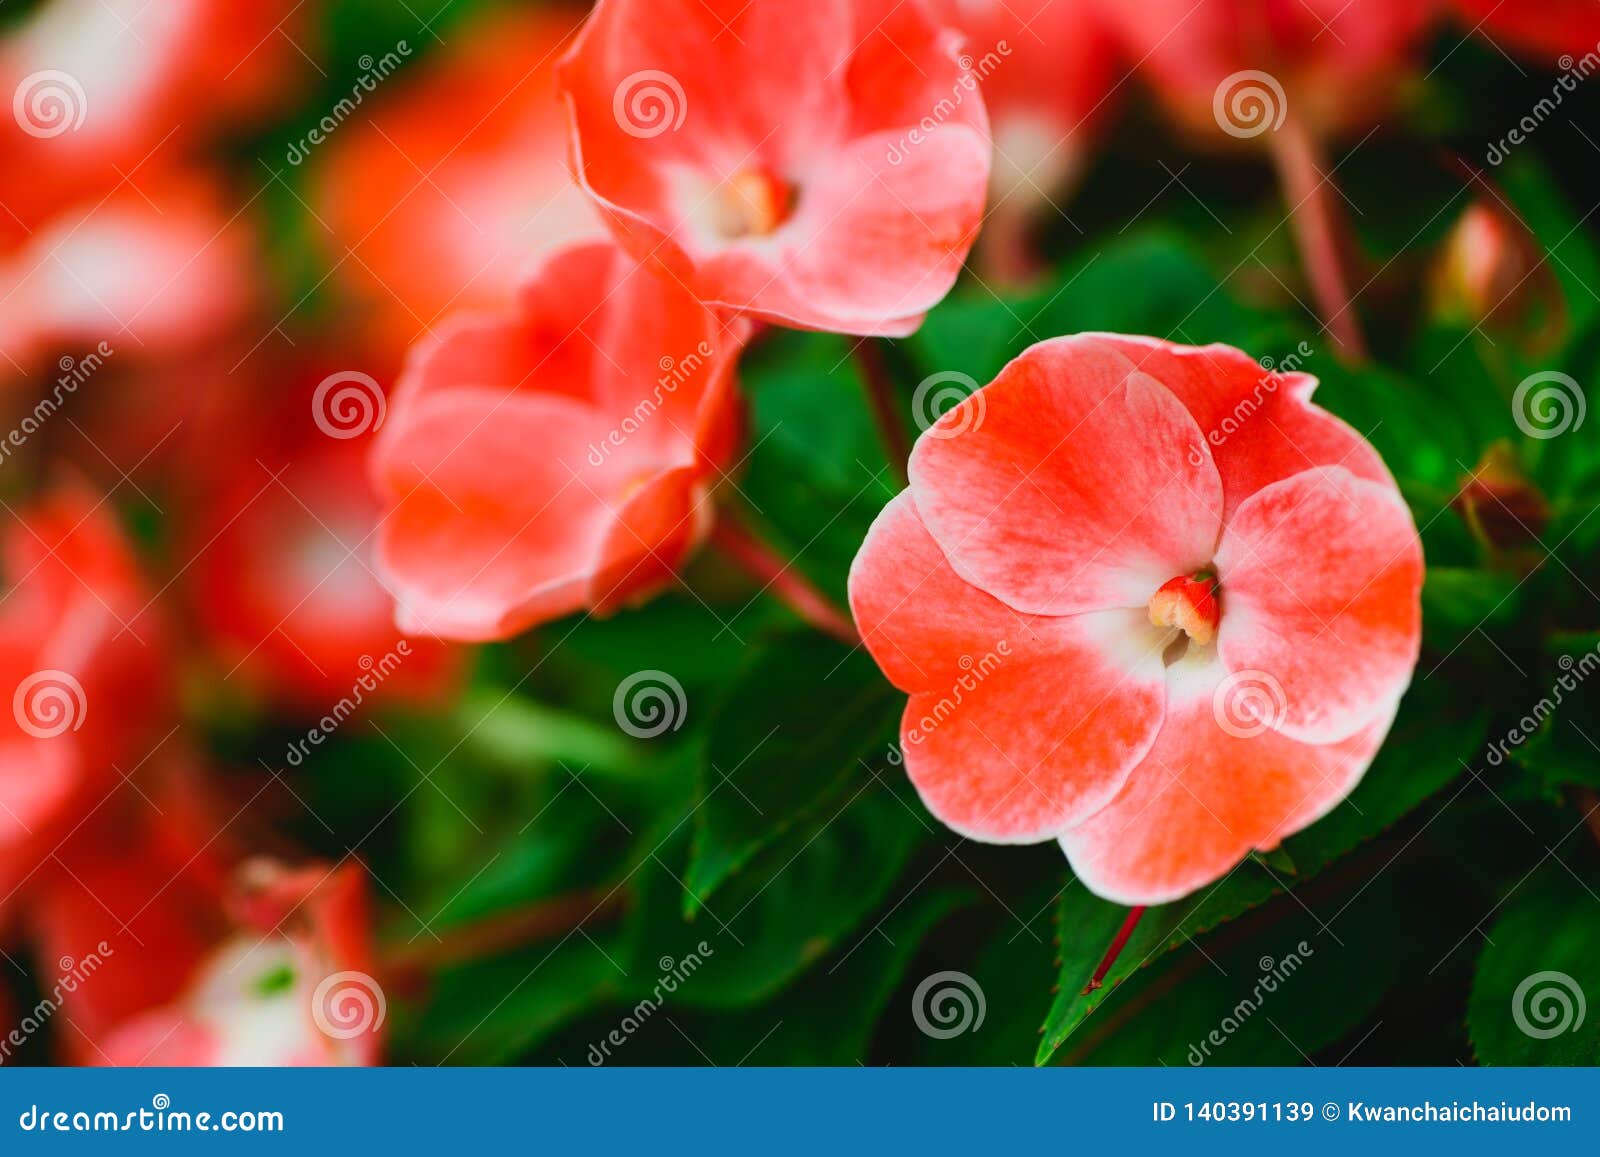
{"points": [[820, 165]]}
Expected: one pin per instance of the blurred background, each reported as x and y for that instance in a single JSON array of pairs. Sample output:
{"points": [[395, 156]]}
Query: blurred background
{"points": [[680, 834]]}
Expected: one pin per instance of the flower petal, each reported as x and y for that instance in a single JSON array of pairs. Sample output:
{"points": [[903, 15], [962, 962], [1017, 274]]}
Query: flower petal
{"points": [[1205, 797], [1017, 725], [471, 549], [1321, 579], [1259, 426], [1066, 484]]}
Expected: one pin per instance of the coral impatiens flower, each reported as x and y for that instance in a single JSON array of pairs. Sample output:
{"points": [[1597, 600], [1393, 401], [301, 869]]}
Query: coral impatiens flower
{"points": [[455, 175], [1551, 30], [81, 661], [295, 985], [147, 271], [275, 543], [820, 165], [1239, 66], [1049, 71], [130, 902], [1147, 599], [558, 457]]}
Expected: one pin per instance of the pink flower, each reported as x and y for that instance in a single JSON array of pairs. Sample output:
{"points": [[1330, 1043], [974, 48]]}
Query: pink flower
{"points": [[1551, 30], [456, 176], [1049, 71], [275, 545], [819, 165], [1147, 600], [156, 267], [558, 457], [1239, 65], [130, 901], [294, 986], [81, 672]]}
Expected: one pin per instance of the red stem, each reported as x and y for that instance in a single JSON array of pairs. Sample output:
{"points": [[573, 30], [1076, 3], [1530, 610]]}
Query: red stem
{"points": [[782, 578], [408, 966], [1117, 944], [1589, 805], [1318, 220], [878, 386]]}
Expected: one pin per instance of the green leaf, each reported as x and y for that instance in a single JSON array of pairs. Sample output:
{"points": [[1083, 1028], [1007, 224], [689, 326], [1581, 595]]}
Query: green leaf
{"points": [[830, 1016], [1432, 734], [520, 733], [492, 1011], [1553, 736], [1176, 297], [1270, 989], [1538, 971], [815, 475], [788, 909], [1458, 600], [801, 720], [1415, 424]]}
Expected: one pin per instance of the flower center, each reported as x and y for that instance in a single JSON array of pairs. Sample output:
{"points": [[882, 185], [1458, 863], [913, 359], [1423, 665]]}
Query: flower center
{"points": [[752, 203], [1189, 603]]}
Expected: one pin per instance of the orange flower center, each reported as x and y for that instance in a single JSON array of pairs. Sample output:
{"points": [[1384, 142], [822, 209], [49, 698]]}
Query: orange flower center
{"points": [[1188, 602], [752, 203]]}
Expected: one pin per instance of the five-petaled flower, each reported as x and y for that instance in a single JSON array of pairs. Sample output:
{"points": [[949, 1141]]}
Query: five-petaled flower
{"points": [[1208, 635], [820, 165], [559, 457]]}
